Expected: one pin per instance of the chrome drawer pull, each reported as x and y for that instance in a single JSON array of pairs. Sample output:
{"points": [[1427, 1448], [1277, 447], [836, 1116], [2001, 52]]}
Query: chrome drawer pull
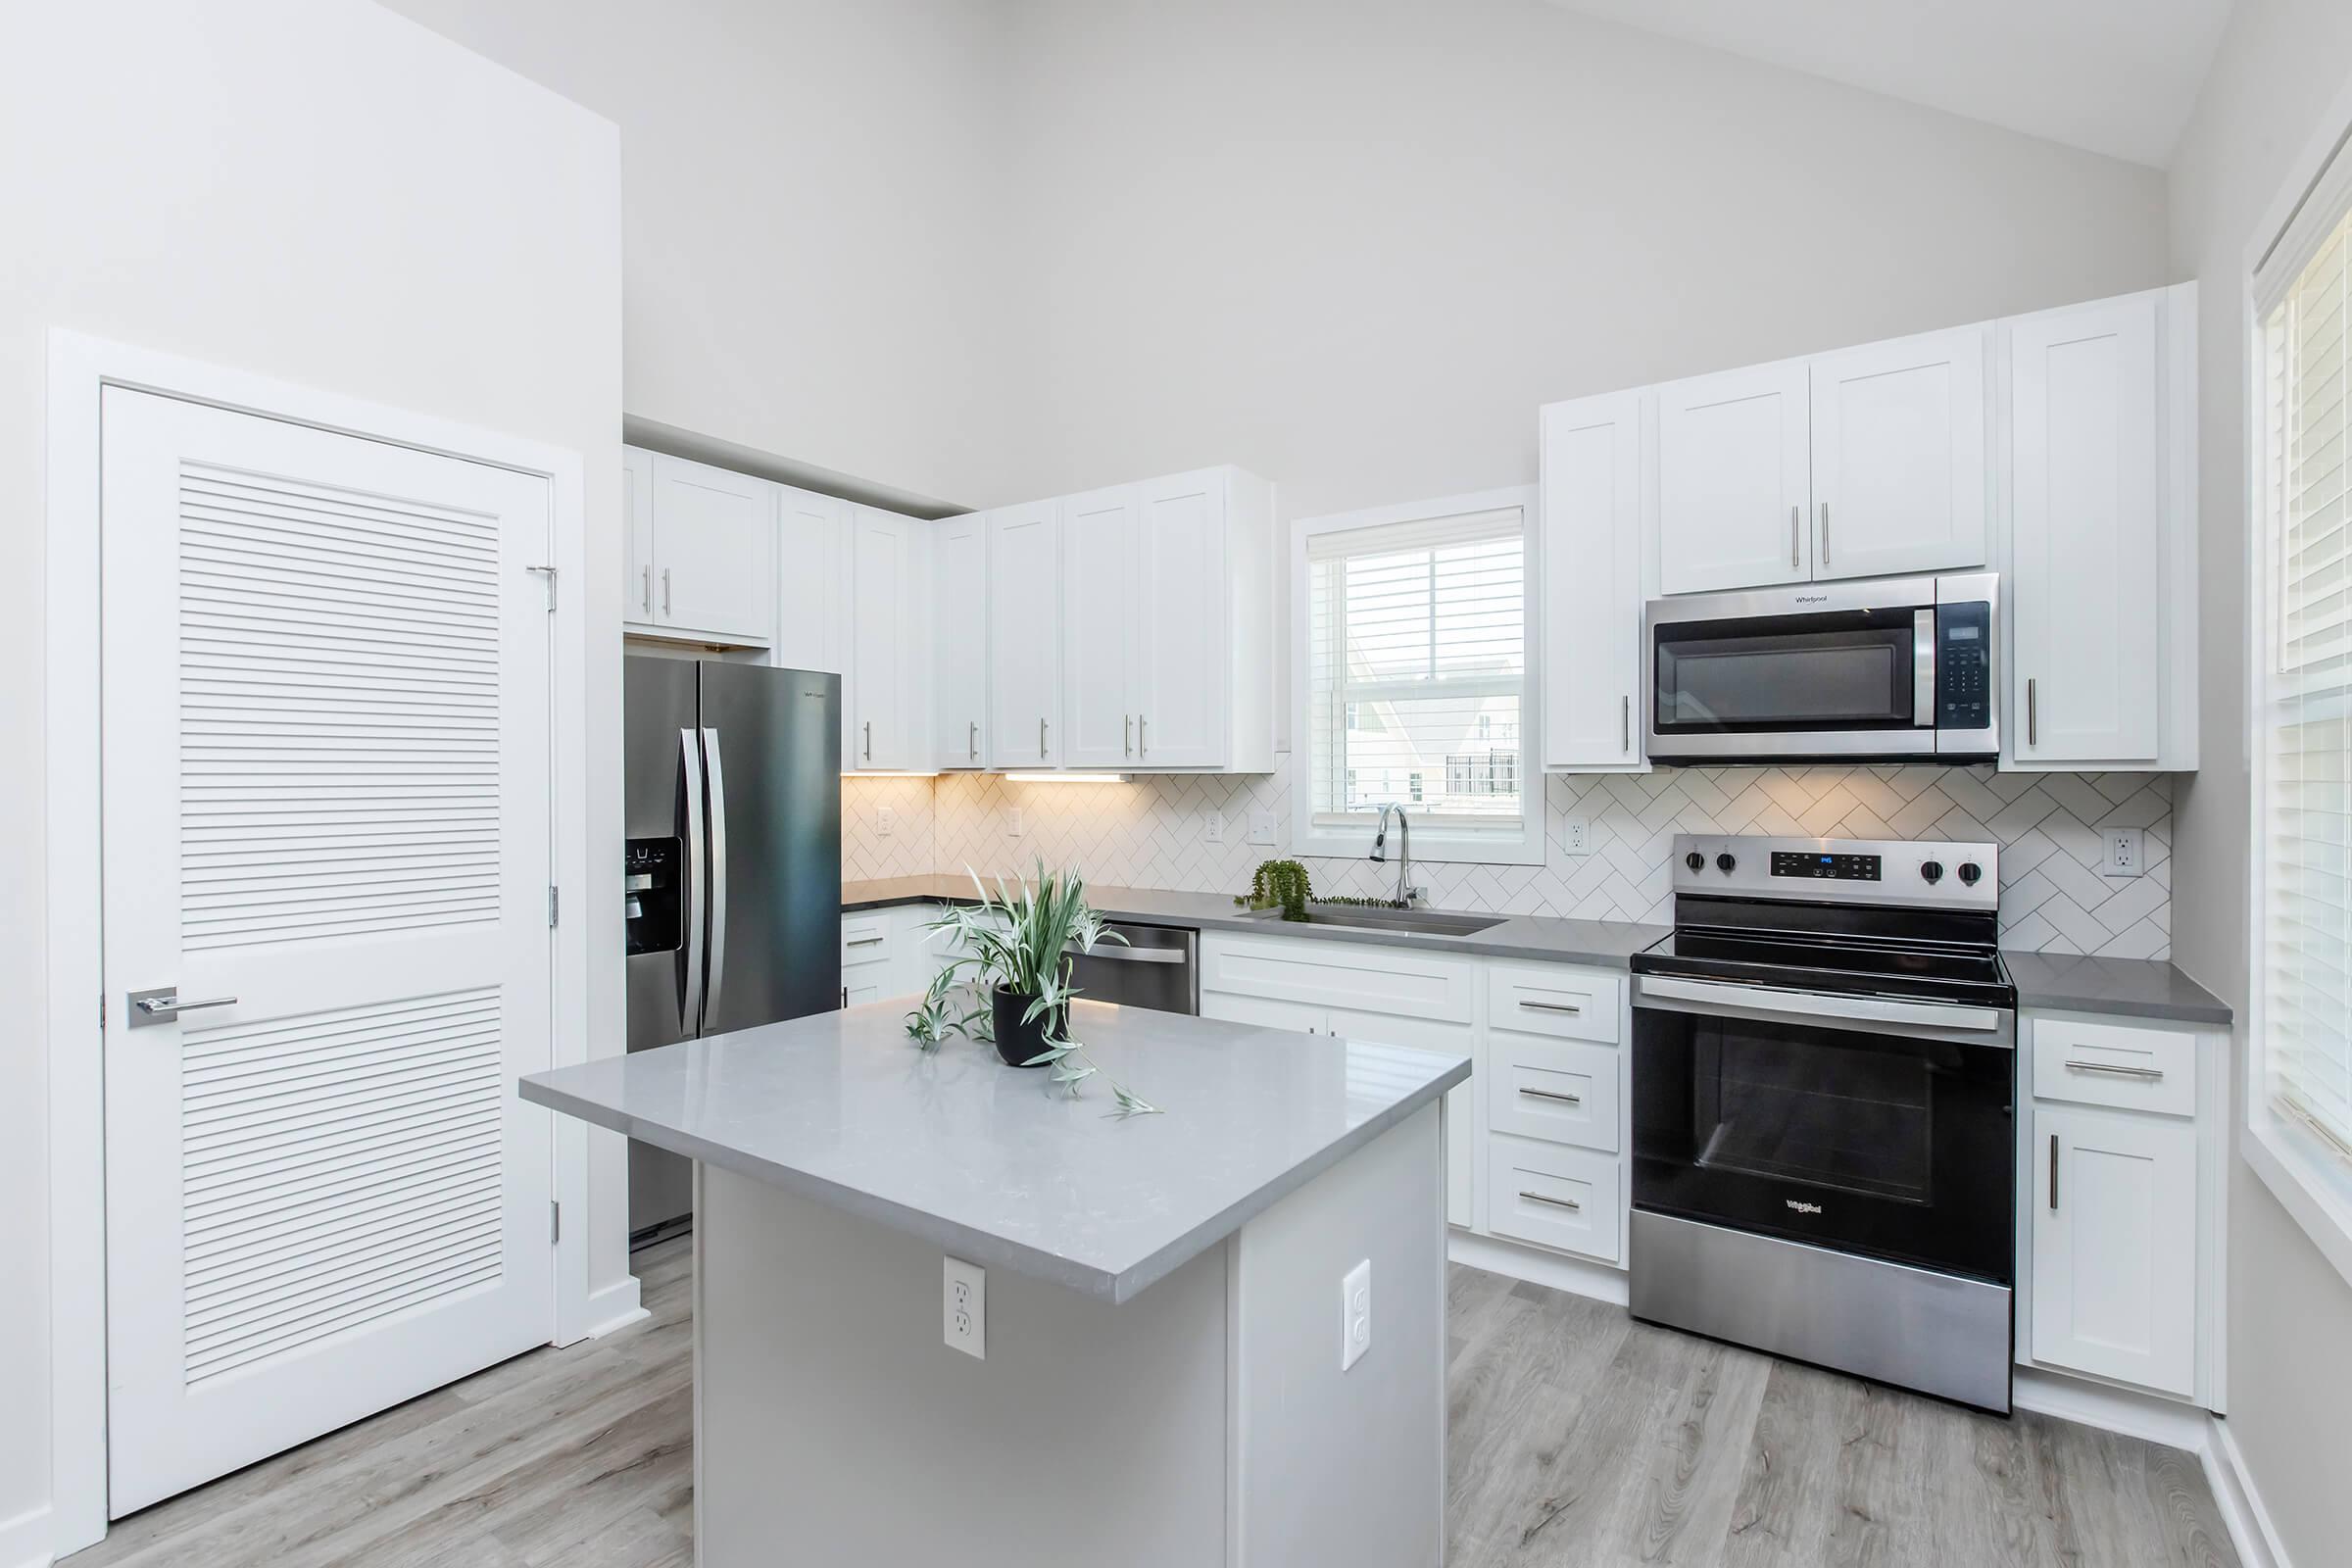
{"points": [[1556, 1202], [1552, 1007], [2111, 1067], [866, 942], [1546, 1094]]}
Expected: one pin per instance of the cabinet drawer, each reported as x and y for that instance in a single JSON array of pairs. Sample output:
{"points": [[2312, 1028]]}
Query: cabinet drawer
{"points": [[2092, 1063], [1390, 981], [1560, 1090], [864, 938], [1549, 999], [1570, 1198]]}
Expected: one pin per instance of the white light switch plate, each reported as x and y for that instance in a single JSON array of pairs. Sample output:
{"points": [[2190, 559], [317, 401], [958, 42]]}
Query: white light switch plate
{"points": [[1213, 827], [1355, 1314], [965, 1305], [1261, 827], [2126, 851]]}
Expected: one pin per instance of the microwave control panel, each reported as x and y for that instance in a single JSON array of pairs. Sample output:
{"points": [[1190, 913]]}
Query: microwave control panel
{"points": [[1964, 667]]}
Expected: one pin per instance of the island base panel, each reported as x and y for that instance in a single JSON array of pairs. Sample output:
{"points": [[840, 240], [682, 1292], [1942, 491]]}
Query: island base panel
{"points": [[1203, 1423]]}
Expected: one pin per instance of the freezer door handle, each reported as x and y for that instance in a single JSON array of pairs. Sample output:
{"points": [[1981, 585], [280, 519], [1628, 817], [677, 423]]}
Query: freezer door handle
{"points": [[716, 770], [690, 785]]}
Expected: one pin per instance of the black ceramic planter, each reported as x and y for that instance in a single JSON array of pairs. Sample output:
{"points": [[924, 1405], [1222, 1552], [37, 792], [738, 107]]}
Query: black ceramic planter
{"points": [[1019, 1043]]}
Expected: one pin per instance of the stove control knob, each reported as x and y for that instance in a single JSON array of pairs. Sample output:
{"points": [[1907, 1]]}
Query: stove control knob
{"points": [[1970, 870], [1724, 864], [1695, 860], [1933, 870]]}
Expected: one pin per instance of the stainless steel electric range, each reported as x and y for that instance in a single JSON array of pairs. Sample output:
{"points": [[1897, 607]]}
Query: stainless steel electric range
{"points": [[1823, 1083]]}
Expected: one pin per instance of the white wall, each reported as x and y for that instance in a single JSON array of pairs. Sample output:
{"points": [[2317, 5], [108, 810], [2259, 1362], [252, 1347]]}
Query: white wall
{"points": [[312, 190], [2281, 63], [813, 194]]}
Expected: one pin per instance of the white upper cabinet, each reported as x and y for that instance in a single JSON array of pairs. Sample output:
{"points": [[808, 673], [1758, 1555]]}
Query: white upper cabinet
{"points": [[812, 577], [1733, 487], [713, 534], [890, 643], [1024, 637], [1098, 628], [2099, 536], [959, 633], [1590, 550], [1192, 682], [1900, 482], [637, 534]]}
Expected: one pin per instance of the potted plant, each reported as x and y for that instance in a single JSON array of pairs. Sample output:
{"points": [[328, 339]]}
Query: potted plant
{"points": [[1017, 947]]}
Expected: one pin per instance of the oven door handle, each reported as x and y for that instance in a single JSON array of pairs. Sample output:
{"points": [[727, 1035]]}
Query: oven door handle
{"points": [[1665, 991]]}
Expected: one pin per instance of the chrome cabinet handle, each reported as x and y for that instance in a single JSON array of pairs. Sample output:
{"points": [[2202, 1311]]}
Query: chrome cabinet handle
{"points": [[2117, 1068], [1796, 539], [1547, 1094], [2053, 1172], [1041, 738], [1625, 723], [1552, 1007], [665, 590], [645, 588], [866, 942], [869, 740], [1127, 735], [1824, 533], [973, 729], [2032, 718], [1143, 736], [1556, 1202]]}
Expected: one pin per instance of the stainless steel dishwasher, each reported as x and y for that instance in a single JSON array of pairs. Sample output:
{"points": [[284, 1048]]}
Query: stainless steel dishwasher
{"points": [[1157, 967]]}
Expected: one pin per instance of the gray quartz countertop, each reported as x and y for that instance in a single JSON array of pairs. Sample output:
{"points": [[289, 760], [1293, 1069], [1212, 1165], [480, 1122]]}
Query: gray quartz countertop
{"points": [[1606, 943], [990, 1163], [2133, 987]]}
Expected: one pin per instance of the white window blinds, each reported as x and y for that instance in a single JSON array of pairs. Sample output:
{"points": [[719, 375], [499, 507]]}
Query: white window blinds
{"points": [[2305, 725], [1417, 667]]}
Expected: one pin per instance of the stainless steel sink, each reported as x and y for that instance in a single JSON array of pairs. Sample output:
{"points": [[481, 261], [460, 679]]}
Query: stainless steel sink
{"points": [[1401, 922]]}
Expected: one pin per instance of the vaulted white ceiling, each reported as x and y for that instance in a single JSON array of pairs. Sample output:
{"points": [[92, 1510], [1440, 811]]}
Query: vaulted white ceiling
{"points": [[2115, 76]]}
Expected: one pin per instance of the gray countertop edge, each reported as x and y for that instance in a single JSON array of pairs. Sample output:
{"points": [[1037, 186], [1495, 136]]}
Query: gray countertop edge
{"points": [[988, 1250]]}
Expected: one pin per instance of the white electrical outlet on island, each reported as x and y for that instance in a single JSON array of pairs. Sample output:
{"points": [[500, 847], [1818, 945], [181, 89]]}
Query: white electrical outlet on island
{"points": [[966, 1307]]}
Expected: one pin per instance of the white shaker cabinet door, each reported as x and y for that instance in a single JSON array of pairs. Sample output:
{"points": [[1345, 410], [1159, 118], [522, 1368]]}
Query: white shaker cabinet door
{"points": [[888, 636], [1590, 549], [1734, 481], [1182, 668], [812, 577], [2115, 1247], [2085, 534], [1024, 637], [1900, 483], [1099, 631], [637, 536], [959, 630], [714, 538]]}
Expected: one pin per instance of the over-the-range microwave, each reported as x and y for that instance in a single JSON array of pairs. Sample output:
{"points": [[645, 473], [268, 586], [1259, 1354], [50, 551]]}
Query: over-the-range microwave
{"points": [[1898, 669]]}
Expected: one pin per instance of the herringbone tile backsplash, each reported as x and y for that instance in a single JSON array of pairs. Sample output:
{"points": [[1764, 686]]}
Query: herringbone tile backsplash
{"points": [[1150, 833]]}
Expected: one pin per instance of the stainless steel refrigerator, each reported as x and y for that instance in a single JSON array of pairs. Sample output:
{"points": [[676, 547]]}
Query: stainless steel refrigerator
{"points": [[732, 779]]}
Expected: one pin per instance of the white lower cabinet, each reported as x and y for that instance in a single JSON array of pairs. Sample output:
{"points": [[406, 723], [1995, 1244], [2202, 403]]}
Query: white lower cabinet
{"points": [[1543, 1108]]}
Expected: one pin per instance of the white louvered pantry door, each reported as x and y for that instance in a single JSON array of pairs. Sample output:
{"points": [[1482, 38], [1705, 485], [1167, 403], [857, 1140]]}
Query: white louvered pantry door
{"points": [[327, 776]]}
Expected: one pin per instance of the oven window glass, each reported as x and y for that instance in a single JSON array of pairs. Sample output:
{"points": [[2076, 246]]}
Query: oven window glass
{"points": [[1859, 1121], [1821, 673]]}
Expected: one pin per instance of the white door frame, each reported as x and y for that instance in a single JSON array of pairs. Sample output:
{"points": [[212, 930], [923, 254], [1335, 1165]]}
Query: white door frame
{"points": [[80, 366]]}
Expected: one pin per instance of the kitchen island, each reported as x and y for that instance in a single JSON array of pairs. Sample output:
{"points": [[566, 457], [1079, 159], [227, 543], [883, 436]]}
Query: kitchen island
{"points": [[1162, 1324]]}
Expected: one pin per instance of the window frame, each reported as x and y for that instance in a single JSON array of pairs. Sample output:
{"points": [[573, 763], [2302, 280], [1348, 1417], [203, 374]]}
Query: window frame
{"points": [[1432, 839], [2302, 1167]]}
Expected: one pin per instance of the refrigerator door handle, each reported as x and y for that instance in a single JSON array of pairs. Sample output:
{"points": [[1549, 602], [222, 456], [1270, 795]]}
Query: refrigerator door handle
{"points": [[690, 780], [719, 869]]}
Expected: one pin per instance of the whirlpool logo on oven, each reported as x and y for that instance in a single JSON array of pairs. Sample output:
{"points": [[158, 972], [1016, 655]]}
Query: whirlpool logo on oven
{"points": [[1801, 1206]]}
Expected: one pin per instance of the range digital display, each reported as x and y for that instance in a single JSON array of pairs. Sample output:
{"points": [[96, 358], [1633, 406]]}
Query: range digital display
{"points": [[1829, 867]]}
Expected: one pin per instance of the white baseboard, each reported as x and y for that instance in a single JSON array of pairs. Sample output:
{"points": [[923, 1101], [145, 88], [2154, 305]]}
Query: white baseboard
{"points": [[615, 1306], [2147, 1416], [1574, 1275], [28, 1541], [2249, 1522]]}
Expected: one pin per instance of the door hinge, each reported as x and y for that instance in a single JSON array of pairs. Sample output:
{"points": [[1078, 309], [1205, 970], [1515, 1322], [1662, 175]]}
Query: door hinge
{"points": [[546, 574], [555, 1222], [554, 909]]}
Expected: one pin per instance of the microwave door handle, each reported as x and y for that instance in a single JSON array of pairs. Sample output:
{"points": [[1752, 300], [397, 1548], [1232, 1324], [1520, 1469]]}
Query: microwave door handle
{"points": [[1923, 669], [1813, 1006]]}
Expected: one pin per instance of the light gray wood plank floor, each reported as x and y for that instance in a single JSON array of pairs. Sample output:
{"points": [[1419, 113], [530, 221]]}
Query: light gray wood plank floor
{"points": [[1578, 1436]]}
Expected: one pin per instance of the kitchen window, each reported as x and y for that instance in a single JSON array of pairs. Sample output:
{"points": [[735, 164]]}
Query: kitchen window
{"points": [[1413, 628], [2299, 1105]]}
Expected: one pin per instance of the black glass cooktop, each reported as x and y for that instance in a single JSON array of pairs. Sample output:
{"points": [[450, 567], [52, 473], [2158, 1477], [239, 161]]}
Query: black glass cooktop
{"points": [[1881, 966]]}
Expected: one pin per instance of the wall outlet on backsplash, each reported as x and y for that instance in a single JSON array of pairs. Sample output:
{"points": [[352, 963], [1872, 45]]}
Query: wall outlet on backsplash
{"points": [[1576, 835], [1261, 827], [1213, 827], [2126, 851], [1012, 824], [885, 821]]}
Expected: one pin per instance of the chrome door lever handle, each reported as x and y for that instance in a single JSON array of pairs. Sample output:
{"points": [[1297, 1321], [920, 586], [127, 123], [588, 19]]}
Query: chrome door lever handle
{"points": [[163, 1004]]}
